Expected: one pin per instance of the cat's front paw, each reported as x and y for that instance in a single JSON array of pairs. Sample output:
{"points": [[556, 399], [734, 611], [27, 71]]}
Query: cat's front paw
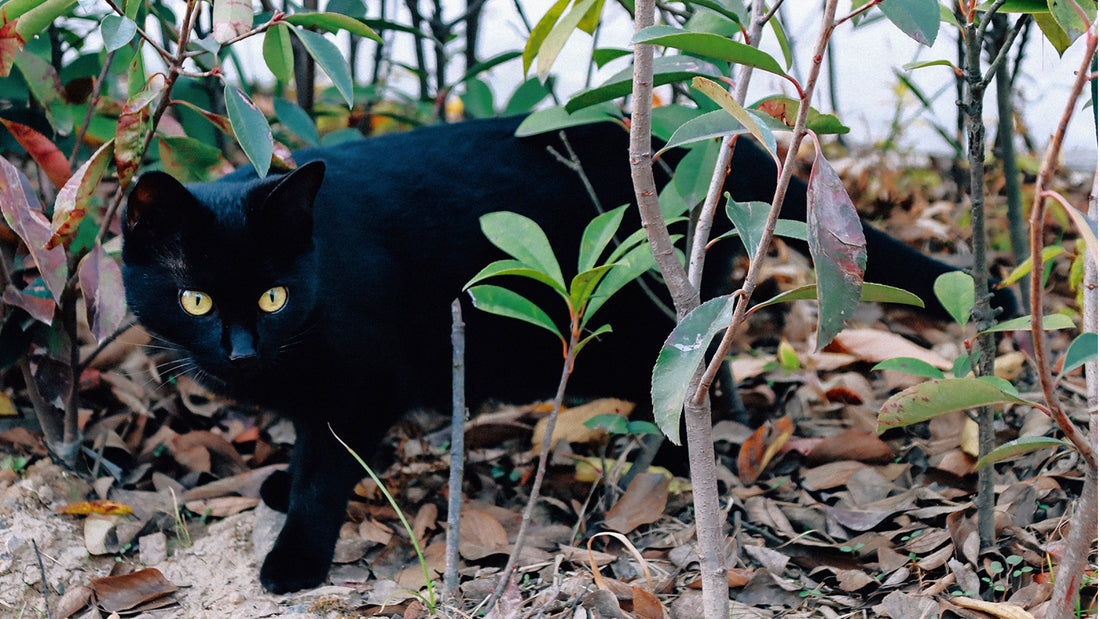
{"points": [[288, 569], [275, 491]]}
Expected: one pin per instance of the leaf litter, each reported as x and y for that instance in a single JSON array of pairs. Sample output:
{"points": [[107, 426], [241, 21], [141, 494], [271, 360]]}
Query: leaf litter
{"points": [[838, 519]]}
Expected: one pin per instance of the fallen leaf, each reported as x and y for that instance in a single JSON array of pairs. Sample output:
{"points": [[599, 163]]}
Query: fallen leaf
{"points": [[222, 507], [874, 345], [480, 535], [761, 447], [96, 507], [570, 425], [997, 609], [851, 445], [647, 605], [643, 502], [119, 593]]}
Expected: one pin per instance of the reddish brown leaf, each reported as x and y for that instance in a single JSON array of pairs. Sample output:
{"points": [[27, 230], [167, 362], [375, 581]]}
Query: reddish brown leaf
{"points": [[643, 502], [480, 535], [851, 445], [101, 284], [10, 42], [109, 508], [647, 605], [222, 506], [119, 593], [133, 125], [44, 152], [736, 576], [761, 447], [71, 204]]}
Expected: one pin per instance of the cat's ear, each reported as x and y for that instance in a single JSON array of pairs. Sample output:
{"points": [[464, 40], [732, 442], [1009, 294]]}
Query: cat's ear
{"points": [[287, 212], [155, 202]]}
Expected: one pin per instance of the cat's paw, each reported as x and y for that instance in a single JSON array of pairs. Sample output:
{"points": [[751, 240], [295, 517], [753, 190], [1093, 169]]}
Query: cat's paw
{"points": [[289, 569], [275, 491]]}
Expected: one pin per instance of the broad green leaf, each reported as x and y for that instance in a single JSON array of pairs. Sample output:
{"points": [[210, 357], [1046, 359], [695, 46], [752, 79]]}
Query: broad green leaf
{"points": [[250, 128], [45, 84], [1080, 351], [278, 54], [486, 65], [605, 55], [556, 118], [39, 17], [909, 365], [785, 110], [517, 268], [681, 355], [666, 70], [955, 291], [101, 285], [297, 120], [539, 32], [191, 160], [716, 124], [749, 218], [232, 18], [1019, 447], [608, 422], [560, 33], [524, 240], [784, 43], [838, 248], [477, 101], [330, 59], [1065, 13], [71, 204], [723, 98], [597, 234], [1023, 323], [32, 226], [919, 19], [504, 302], [636, 238], [709, 45], [334, 22], [594, 335], [1053, 32], [584, 284], [732, 13], [351, 8], [937, 397], [1049, 253], [117, 31], [693, 173], [872, 293], [1018, 6], [529, 94]]}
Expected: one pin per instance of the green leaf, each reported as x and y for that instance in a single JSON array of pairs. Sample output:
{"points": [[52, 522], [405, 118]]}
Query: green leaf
{"points": [[1080, 351], [909, 66], [477, 101], [873, 293], [297, 120], [232, 18], [838, 248], [666, 70], [1053, 32], [909, 365], [716, 124], [1023, 323], [629, 267], [1019, 447], [608, 422], [540, 31], [529, 94], [334, 22], [330, 59], [749, 219], [955, 291], [584, 284], [597, 234], [278, 53], [504, 302], [524, 240], [488, 64], [514, 267], [709, 45], [351, 8], [251, 129], [594, 335], [723, 98], [1048, 254], [556, 119], [190, 160], [693, 173], [681, 355], [731, 14], [560, 33], [785, 109], [784, 43], [937, 397], [117, 31], [919, 19], [605, 55], [36, 19], [1065, 13]]}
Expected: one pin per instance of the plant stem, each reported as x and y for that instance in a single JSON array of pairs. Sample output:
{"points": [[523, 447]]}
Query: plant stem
{"points": [[458, 448]]}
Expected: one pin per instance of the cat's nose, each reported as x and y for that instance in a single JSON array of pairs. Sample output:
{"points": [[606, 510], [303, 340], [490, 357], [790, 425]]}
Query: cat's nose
{"points": [[242, 348]]}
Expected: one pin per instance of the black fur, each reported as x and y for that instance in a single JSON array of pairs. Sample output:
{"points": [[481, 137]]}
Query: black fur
{"points": [[371, 265]]}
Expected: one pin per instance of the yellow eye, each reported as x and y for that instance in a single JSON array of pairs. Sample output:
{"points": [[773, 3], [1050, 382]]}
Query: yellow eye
{"points": [[273, 300], [196, 303]]}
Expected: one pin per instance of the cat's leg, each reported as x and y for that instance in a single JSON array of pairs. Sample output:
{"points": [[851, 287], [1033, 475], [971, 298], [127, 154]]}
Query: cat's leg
{"points": [[275, 491], [322, 474]]}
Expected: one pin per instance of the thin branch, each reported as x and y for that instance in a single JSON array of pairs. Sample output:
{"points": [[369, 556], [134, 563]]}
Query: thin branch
{"points": [[1002, 54], [857, 12], [987, 17], [92, 100]]}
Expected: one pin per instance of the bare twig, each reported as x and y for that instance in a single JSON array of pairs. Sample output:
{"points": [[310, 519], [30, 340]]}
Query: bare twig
{"points": [[92, 100], [458, 448], [42, 571]]}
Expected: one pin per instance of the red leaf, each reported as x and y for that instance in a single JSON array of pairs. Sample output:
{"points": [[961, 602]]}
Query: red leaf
{"points": [[71, 204], [10, 42], [104, 296], [44, 152], [133, 125]]}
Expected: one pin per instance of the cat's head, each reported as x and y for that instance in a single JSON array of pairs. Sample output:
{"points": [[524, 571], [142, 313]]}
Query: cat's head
{"points": [[226, 271]]}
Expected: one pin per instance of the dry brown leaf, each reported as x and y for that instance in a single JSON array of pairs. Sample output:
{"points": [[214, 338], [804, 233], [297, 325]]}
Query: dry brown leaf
{"points": [[119, 593], [570, 425], [222, 507], [110, 508], [643, 502], [874, 345], [851, 445], [480, 535], [372, 530], [831, 475], [737, 577], [74, 599], [997, 609], [424, 520], [968, 440], [761, 447], [647, 605]]}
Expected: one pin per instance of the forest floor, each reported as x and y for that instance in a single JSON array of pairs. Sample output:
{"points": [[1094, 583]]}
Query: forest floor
{"points": [[839, 521]]}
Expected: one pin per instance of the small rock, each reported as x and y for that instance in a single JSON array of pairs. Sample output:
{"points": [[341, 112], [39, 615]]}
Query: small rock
{"points": [[153, 548]]}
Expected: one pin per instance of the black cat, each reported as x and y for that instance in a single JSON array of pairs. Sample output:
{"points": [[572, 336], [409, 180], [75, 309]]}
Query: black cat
{"points": [[324, 293]]}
